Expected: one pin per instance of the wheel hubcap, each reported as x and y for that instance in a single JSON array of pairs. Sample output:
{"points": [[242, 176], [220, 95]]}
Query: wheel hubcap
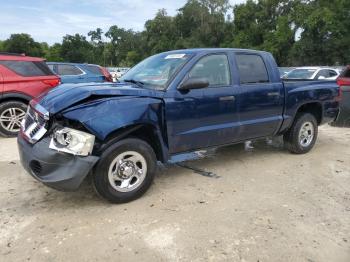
{"points": [[306, 134], [11, 118], [127, 171]]}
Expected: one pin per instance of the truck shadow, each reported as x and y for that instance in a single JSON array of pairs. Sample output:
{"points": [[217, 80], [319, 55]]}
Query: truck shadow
{"points": [[216, 157], [86, 198]]}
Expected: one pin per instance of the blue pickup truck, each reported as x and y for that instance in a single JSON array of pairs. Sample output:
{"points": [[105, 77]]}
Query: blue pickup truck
{"points": [[165, 109]]}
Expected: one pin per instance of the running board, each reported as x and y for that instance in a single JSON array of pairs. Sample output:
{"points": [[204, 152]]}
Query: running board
{"points": [[189, 156]]}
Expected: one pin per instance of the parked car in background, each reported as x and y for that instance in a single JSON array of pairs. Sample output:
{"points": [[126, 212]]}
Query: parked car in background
{"points": [[21, 79], [80, 73], [113, 72], [285, 70], [121, 71], [343, 119], [167, 108], [117, 72], [313, 73]]}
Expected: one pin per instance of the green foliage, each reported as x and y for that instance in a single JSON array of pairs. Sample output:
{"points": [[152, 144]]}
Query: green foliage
{"points": [[325, 37], [54, 53], [296, 32], [75, 48], [23, 43]]}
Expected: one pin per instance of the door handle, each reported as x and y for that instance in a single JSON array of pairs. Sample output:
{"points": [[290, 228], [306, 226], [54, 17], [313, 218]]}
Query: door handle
{"points": [[227, 98], [273, 94]]}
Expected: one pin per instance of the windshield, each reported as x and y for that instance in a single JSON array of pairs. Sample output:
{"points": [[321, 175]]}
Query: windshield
{"points": [[156, 71], [300, 73]]}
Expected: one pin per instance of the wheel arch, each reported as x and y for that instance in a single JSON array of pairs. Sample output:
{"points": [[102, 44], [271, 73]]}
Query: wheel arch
{"points": [[15, 97], [314, 108], [144, 131]]}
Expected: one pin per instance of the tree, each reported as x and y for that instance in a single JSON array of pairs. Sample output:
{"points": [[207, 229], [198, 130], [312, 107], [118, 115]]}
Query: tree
{"points": [[122, 41], [201, 23], [96, 35], [296, 32], [98, 46], [325, 33], [160, 33], [23, 43], [54, 53], [75, 48]]}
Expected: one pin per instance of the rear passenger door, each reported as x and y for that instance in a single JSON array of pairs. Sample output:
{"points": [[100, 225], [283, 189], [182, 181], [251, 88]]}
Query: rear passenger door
{"points": [[261, 100]]}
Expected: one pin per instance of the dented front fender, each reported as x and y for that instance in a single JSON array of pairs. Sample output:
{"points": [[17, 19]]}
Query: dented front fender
{"points": [[104, 116]]}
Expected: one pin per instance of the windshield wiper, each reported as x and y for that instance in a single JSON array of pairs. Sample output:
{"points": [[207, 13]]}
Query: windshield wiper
{"points": [[139, 83]]}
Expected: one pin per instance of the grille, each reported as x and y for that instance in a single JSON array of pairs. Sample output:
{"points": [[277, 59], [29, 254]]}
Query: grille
{"points": [[34, 125]]}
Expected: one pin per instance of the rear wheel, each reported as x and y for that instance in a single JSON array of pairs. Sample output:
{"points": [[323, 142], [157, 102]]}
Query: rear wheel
{"points": [[125, 171], [11, 115], [302, 135]]}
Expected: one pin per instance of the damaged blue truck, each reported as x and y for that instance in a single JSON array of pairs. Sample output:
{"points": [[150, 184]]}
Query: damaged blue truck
{"points": [[165, 109]]}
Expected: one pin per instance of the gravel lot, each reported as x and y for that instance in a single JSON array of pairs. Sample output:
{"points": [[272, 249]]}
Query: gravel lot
{"points": [[267, 205]]}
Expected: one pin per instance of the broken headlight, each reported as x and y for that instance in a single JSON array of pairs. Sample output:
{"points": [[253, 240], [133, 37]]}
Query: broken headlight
{"points": [[72, 141]]}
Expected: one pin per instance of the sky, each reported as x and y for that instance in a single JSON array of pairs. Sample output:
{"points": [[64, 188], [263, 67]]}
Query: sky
{"points": [[48, 21]]}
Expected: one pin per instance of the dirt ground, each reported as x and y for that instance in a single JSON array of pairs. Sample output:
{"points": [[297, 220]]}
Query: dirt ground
{"points": [[265, 205]]}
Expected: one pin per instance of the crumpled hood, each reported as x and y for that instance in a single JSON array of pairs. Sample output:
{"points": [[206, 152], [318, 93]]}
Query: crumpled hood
{"points": [[67, 95]]}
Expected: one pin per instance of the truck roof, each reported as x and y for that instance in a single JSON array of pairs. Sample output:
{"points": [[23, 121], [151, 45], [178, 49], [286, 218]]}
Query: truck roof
{"points": [[203, 50]]}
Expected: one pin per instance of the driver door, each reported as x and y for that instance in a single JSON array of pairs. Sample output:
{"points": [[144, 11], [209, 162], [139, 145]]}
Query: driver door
{"points": [[200, 118]]}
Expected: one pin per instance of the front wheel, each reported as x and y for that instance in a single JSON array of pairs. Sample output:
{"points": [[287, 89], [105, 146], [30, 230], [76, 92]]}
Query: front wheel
{"points": [[125, 171], [302, 135]]}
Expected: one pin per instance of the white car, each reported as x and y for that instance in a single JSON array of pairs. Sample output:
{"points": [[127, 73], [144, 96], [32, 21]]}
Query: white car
{"points": [[121, 71], [315, 73]]}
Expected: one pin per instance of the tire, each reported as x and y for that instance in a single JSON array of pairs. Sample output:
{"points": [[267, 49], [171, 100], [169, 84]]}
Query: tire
{"points": [[11, 115], [302, 135], [125, 159]]}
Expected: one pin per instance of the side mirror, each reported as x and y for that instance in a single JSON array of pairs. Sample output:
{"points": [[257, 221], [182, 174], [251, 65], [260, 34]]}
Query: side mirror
{"points": [[194, 83], [321, 77]]}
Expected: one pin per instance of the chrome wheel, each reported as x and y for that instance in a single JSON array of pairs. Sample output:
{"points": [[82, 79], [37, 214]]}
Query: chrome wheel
{"points": [[306, 134], [127, 171], [10, 119]]}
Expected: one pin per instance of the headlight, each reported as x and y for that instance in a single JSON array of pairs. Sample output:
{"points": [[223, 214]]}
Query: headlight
{"points": [[72, 141]]}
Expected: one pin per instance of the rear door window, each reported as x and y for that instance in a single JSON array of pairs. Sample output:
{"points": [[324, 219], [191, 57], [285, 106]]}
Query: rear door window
{"points": [[94, 69], [215, 68], [332, 73], [28, 68], [65, 70], [323, 72], [51, 67], [251, 69]]}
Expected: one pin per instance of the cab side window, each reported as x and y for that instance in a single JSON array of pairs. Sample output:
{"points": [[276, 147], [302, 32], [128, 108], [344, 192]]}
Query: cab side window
{"points": [[214, 68], [251, 69]]}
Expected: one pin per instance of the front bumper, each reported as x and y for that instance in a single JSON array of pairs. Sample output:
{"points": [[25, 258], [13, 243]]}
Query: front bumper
{"points": [[55, 169]]}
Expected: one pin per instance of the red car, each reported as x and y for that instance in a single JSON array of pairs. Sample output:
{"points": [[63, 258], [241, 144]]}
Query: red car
{"points": [[343, 119], [21, 79]]}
